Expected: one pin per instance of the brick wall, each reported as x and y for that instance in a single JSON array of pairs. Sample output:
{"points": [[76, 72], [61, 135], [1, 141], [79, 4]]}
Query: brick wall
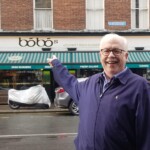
{"points": [[117, 11], [16, 15], [69, 14]]}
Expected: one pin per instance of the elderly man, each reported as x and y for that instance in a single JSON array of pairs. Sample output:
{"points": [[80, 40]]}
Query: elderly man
{"points": [[114, 105]]}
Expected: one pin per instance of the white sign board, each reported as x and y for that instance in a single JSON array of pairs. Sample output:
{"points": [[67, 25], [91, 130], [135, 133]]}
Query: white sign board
{"points": [[62, 43]]}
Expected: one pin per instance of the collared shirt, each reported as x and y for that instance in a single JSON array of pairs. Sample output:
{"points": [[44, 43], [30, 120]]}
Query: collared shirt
{"points": [[107, 82]]}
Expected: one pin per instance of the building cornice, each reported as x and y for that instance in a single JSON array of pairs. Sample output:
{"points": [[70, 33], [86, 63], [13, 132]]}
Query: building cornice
{"points": [[72, 33]]}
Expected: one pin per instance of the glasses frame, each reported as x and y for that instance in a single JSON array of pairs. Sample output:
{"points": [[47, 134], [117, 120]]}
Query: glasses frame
{"points": [[112, 50]]}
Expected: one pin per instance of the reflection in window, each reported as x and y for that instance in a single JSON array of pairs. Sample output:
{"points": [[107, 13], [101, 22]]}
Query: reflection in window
{"points": [[42, 3], [20, 79]]}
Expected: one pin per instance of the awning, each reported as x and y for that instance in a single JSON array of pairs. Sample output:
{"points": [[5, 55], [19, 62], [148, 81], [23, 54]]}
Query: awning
{"points": [[72, 60]]}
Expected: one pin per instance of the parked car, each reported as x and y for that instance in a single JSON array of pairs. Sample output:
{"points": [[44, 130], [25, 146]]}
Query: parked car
{"points": [[63, 100]]}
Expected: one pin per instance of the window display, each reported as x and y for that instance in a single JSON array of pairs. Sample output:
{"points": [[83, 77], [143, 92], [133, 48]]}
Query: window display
{"points": [[20, 79]]}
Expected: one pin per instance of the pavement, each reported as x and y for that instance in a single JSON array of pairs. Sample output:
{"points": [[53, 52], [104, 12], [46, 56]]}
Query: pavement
{"points": [[4, 108]]}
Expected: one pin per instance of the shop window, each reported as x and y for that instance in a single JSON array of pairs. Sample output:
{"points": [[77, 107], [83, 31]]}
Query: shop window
{"points": [[139, 71], [82, 73], [73, 72], [20, 79], [26, 79], [7, 79], [46, 77], [148, 74]]}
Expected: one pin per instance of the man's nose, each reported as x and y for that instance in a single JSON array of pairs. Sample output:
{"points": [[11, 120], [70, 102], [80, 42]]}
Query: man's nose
{"points": [[111, 54]]}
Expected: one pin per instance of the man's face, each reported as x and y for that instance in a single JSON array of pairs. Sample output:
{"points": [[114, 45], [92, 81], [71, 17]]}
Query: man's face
{"points": [[113, 64]]}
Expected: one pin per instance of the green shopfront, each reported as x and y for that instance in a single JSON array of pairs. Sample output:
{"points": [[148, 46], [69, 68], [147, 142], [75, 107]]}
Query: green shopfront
{"points": [[20, 69]]}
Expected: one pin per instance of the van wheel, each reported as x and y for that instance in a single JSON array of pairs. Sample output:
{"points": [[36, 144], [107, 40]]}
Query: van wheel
{"points": [[73, 108]]}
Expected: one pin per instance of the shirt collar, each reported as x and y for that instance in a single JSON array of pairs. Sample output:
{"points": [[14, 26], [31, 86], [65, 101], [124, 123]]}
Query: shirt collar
{"points": [[114, 77]]}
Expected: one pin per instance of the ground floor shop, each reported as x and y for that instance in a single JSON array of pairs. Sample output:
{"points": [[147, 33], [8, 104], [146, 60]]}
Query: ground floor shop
{"points": [[20, 70], [23, 79]]}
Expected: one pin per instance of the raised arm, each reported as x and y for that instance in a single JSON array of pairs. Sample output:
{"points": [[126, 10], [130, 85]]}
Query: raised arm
{"points": [[64, 78]]}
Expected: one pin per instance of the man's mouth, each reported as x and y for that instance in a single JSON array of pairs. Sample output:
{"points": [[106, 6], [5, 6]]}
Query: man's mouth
{"points": [[111, 62]]}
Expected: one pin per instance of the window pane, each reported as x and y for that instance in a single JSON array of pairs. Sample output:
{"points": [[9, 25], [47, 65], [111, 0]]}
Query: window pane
{"points": [[99, 4], [42, 3], [143, 15], [133, 3], [94, 4], [46, 77], [89, 4], [143, 4], [43, 19], [99, 20], [94, 14], [133, 19], [140, 14], [90, 20]]}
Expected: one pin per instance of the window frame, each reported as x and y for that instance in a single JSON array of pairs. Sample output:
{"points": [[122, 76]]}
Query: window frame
{"points": [[51, 16], [136, 15], [94, 11]]}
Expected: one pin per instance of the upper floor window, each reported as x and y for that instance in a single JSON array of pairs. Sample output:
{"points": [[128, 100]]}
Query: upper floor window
{"points": [[43, 15], [139, 14], [94, 14]]}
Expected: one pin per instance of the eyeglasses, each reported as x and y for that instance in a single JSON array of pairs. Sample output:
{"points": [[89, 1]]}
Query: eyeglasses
{"points": [[115, 51]]}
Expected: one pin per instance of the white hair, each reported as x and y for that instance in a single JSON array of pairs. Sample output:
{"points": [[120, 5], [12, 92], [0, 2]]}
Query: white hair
{"points": [[113, 36]]}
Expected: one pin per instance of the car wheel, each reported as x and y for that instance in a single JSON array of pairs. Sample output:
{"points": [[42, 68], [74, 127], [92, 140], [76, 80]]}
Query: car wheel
{"points": [[73, 108], [14, 106]]}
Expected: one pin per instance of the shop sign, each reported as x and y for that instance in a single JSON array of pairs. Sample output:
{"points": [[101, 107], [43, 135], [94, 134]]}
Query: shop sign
{"points": [[47, 67], [83, 66], [144, 66], [117, 23], [89, 66], [69, 66], [21, 67], [138, 65], [31, 42], [14, 58]]}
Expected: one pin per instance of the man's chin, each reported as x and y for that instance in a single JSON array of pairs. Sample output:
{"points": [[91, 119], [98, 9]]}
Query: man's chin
{"points": [[112, 71]]}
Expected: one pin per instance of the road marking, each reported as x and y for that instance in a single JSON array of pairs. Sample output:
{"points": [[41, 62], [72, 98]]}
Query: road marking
{"points": [[38, 135], [5, 117]]}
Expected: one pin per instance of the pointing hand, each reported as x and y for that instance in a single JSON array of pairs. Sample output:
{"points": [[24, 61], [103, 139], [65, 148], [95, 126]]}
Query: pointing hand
{"points": [[49, 60]]}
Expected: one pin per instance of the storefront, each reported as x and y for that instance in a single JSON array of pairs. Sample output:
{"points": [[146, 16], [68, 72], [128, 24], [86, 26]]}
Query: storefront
{"points": [[20, 70], [23, 57]]}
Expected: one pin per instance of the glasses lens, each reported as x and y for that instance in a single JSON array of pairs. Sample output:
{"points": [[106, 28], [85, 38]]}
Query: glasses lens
{"points": [[106, 51], [114, 51], [117, 51]]}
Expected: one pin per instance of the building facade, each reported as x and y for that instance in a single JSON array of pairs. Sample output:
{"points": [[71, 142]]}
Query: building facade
{"points": [[33, 30]]}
